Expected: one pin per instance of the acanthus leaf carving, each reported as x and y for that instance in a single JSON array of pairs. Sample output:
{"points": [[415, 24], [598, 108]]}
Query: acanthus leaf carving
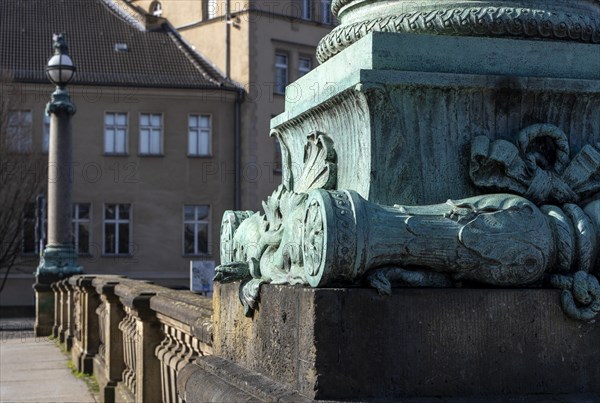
{"points": [[257, 248], [319, 170]]}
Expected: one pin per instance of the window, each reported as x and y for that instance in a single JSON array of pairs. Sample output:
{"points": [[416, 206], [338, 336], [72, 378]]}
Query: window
{"points": [[281, 72], [18, 134], [199, 134], [46, 138], [326, 11], [195, 229], [30, 245], [156, 8], [211, 8], [304, 65], [150, 133], [117, 229], [306, 9], [32, 234], [81, 228], [115, 133]]}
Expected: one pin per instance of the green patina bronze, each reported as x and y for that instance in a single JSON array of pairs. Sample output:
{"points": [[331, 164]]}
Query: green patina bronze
{"points": [[399, 121]]}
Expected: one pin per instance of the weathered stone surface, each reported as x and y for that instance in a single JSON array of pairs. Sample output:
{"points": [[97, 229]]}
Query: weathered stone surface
{"points": [[109, 363], [193, 312], [352, 343], [213, 379], [141, 335], [44, 304], [402, 109], [186, 323]]}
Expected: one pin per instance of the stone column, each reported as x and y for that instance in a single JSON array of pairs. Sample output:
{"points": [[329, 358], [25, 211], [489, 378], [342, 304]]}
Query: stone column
{"points": [[58, 259]]}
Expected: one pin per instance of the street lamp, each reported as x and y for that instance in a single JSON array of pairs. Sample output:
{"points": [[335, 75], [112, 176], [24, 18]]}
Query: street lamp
{"points": [[60, 69], [58, 260]]}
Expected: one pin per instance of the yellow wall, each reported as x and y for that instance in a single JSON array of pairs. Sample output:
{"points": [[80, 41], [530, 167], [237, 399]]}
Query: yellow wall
{"points": [[157, 186]]}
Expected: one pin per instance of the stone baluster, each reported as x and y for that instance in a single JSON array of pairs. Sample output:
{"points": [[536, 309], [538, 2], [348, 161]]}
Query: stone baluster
{"points": [[57, 317], [141, 335], [86, 342], [109, 362], [70, 315], [127, 327], [76, 317], [64, 312]]}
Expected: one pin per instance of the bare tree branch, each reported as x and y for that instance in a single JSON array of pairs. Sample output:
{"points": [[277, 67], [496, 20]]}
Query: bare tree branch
{"points": [[22, 178]]}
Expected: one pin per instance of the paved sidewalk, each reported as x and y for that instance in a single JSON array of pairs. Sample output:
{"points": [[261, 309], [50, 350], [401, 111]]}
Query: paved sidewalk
{"points": [[35, 370]]}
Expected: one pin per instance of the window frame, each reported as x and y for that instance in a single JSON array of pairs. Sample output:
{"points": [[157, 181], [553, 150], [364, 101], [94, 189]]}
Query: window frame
{"points": [[115, 126], [116, 221], [211, 12], [210, 135], [326, 15], [306, 10], [310, 64], [23, 147], [277, 66], [75, 220], [31, 222], [196, 222], [160, 152]]}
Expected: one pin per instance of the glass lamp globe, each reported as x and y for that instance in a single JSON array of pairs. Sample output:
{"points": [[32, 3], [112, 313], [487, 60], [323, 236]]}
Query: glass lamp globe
{"points": [[60, 69]]}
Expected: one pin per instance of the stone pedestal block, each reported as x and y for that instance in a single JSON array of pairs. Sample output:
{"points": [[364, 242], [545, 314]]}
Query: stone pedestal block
{"points": [[44, 304], [403, 109], [336, 344]]}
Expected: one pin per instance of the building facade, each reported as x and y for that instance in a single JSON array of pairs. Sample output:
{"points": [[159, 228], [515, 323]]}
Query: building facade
{"points": [[262, 45], [153, 140]]}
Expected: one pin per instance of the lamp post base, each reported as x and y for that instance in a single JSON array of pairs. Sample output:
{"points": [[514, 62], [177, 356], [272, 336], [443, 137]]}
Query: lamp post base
{"points": [[58, 260], [56, 263]]}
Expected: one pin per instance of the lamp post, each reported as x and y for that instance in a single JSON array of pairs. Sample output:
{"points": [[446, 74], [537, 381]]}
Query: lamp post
{"points": [[58, 260]]}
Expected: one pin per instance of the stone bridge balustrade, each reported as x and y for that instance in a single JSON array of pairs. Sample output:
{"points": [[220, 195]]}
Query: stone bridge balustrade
{"points": [[109, 363], [186, 320], [142, 333], [55, 287], [65, 326], [86, 341], [139, 340]]}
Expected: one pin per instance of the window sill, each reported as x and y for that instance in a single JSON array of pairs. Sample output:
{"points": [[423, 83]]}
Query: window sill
{"points": [[203, 156], [120, 255], [145, 155], [203, 255], [115, 154]]}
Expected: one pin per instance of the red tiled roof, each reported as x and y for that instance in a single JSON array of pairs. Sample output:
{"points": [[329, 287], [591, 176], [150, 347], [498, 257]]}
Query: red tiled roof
{"points": [[92, 28]]}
